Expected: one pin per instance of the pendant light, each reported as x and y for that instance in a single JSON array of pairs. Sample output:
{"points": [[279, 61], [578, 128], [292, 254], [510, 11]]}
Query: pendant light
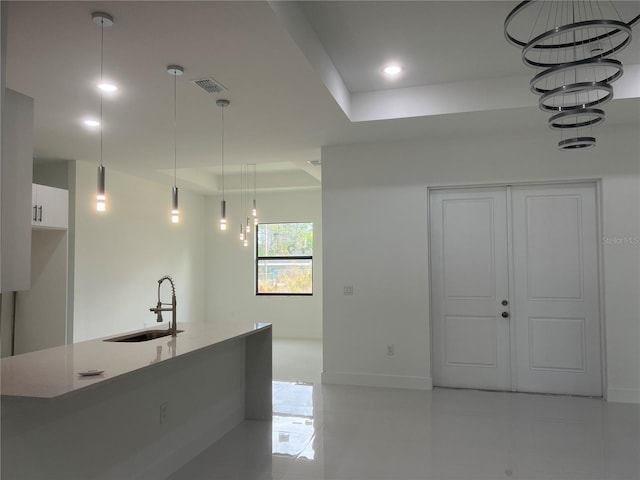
{"points": [[222, 103], [254, 210], [102, 20], [246, 193], [245, 203], [176, 71], [242, 193], [573, 48]]}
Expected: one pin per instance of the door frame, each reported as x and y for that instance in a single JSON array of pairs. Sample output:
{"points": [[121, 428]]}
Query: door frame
{"points": [[597, 182]]}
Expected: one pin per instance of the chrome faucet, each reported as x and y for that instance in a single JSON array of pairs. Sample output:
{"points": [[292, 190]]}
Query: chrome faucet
{"points": [[173, 328]]}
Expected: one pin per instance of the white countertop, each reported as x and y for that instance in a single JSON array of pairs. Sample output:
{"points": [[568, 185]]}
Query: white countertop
{"points": [[53, 372]]}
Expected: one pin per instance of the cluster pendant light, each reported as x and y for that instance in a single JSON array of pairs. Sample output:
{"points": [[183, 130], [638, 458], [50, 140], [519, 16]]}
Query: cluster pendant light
{"points": [[102, 20], [573, 47], [250, 214], [222, 103], [175, 71], [245, 228], [105, 20]]}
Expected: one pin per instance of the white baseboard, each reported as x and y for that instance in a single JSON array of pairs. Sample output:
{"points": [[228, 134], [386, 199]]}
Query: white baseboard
{"points": [[623, 395], [377, 380]]}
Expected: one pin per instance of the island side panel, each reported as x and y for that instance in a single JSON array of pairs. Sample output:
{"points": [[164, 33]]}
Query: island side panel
{"points": [[114, 431], [258, 364]]}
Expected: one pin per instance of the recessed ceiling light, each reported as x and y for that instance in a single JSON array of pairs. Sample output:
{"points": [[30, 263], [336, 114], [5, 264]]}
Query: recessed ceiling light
{"points": [[107, 87], [92, 123], [392, 70]]}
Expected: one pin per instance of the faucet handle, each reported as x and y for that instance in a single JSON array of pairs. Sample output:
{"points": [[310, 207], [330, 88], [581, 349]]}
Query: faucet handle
{"points": [[159, 312]]}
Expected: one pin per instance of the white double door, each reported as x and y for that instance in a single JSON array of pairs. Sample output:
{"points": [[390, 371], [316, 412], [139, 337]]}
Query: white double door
{"points": [[515, 290]]}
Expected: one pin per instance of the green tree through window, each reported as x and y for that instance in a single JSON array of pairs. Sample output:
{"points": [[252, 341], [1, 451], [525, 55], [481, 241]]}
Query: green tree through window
{"points": [[284, 261]]}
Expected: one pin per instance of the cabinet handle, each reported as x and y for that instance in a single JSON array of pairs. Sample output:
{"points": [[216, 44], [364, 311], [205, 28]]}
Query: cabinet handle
{"points": [[35, 213], [40, 213]]}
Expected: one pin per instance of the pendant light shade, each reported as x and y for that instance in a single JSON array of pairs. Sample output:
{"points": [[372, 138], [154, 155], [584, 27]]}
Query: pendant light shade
{"points": [[222, 103], [175, 213], [102, 20], [223, 215], [100, 198], [176, 71]]}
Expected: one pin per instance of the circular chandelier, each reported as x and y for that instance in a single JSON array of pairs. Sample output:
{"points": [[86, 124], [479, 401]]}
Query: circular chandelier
{"points": [[572, 44]]}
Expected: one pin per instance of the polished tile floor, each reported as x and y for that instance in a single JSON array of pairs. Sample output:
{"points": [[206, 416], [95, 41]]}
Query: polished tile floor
{"points": [[357, 433]]}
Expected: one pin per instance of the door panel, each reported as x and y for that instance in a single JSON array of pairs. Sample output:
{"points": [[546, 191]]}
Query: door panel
{"points": [[557, 344], [468, 275], [556, 309], [457, 348], [468, 241], [553, 236]]}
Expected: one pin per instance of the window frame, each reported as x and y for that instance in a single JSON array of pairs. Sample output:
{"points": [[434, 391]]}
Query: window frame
{"points": [[258, 258]]}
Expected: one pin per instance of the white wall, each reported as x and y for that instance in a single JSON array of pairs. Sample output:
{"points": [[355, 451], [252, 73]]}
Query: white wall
{"points": [[41, 311], [231, 268], [375, 239], [120, 255]]}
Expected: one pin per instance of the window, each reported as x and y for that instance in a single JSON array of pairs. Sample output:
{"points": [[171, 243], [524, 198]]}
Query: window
{"points": [[284, 260]]}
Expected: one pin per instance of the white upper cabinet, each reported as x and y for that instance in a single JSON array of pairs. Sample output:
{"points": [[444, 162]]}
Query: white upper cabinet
{"points": [[49, 207]]}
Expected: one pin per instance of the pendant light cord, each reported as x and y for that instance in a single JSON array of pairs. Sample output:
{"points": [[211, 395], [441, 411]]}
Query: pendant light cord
{"points": [[243, 182], [175, 141], [222, 152], [101, 75]]}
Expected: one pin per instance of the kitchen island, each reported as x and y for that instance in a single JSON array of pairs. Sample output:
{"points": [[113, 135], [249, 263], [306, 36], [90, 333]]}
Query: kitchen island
{"points": [[156, 405]]}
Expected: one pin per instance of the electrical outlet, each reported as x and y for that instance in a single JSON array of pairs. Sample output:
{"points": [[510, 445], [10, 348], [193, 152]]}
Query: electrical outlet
{"points": [[391, 349], [164, 407], [348, 290]]}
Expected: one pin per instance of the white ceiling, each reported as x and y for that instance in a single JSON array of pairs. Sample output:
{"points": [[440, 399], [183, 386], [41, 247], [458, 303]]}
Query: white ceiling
{"points": [[436, 42], [299, 76]]}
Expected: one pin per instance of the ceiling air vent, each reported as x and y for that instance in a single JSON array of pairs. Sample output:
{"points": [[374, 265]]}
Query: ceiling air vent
{"points": [[210, 85]]}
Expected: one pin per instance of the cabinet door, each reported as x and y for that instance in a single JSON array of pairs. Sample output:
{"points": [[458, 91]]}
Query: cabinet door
{"points": [[52, 207]]}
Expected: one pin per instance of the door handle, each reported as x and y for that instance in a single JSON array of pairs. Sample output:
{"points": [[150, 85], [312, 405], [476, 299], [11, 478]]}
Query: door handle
{"points": [[40, 213], [35, 213], [505, 314]]}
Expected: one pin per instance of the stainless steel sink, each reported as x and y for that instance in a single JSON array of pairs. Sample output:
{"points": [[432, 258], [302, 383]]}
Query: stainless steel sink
{"points": [[141, 336]]}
